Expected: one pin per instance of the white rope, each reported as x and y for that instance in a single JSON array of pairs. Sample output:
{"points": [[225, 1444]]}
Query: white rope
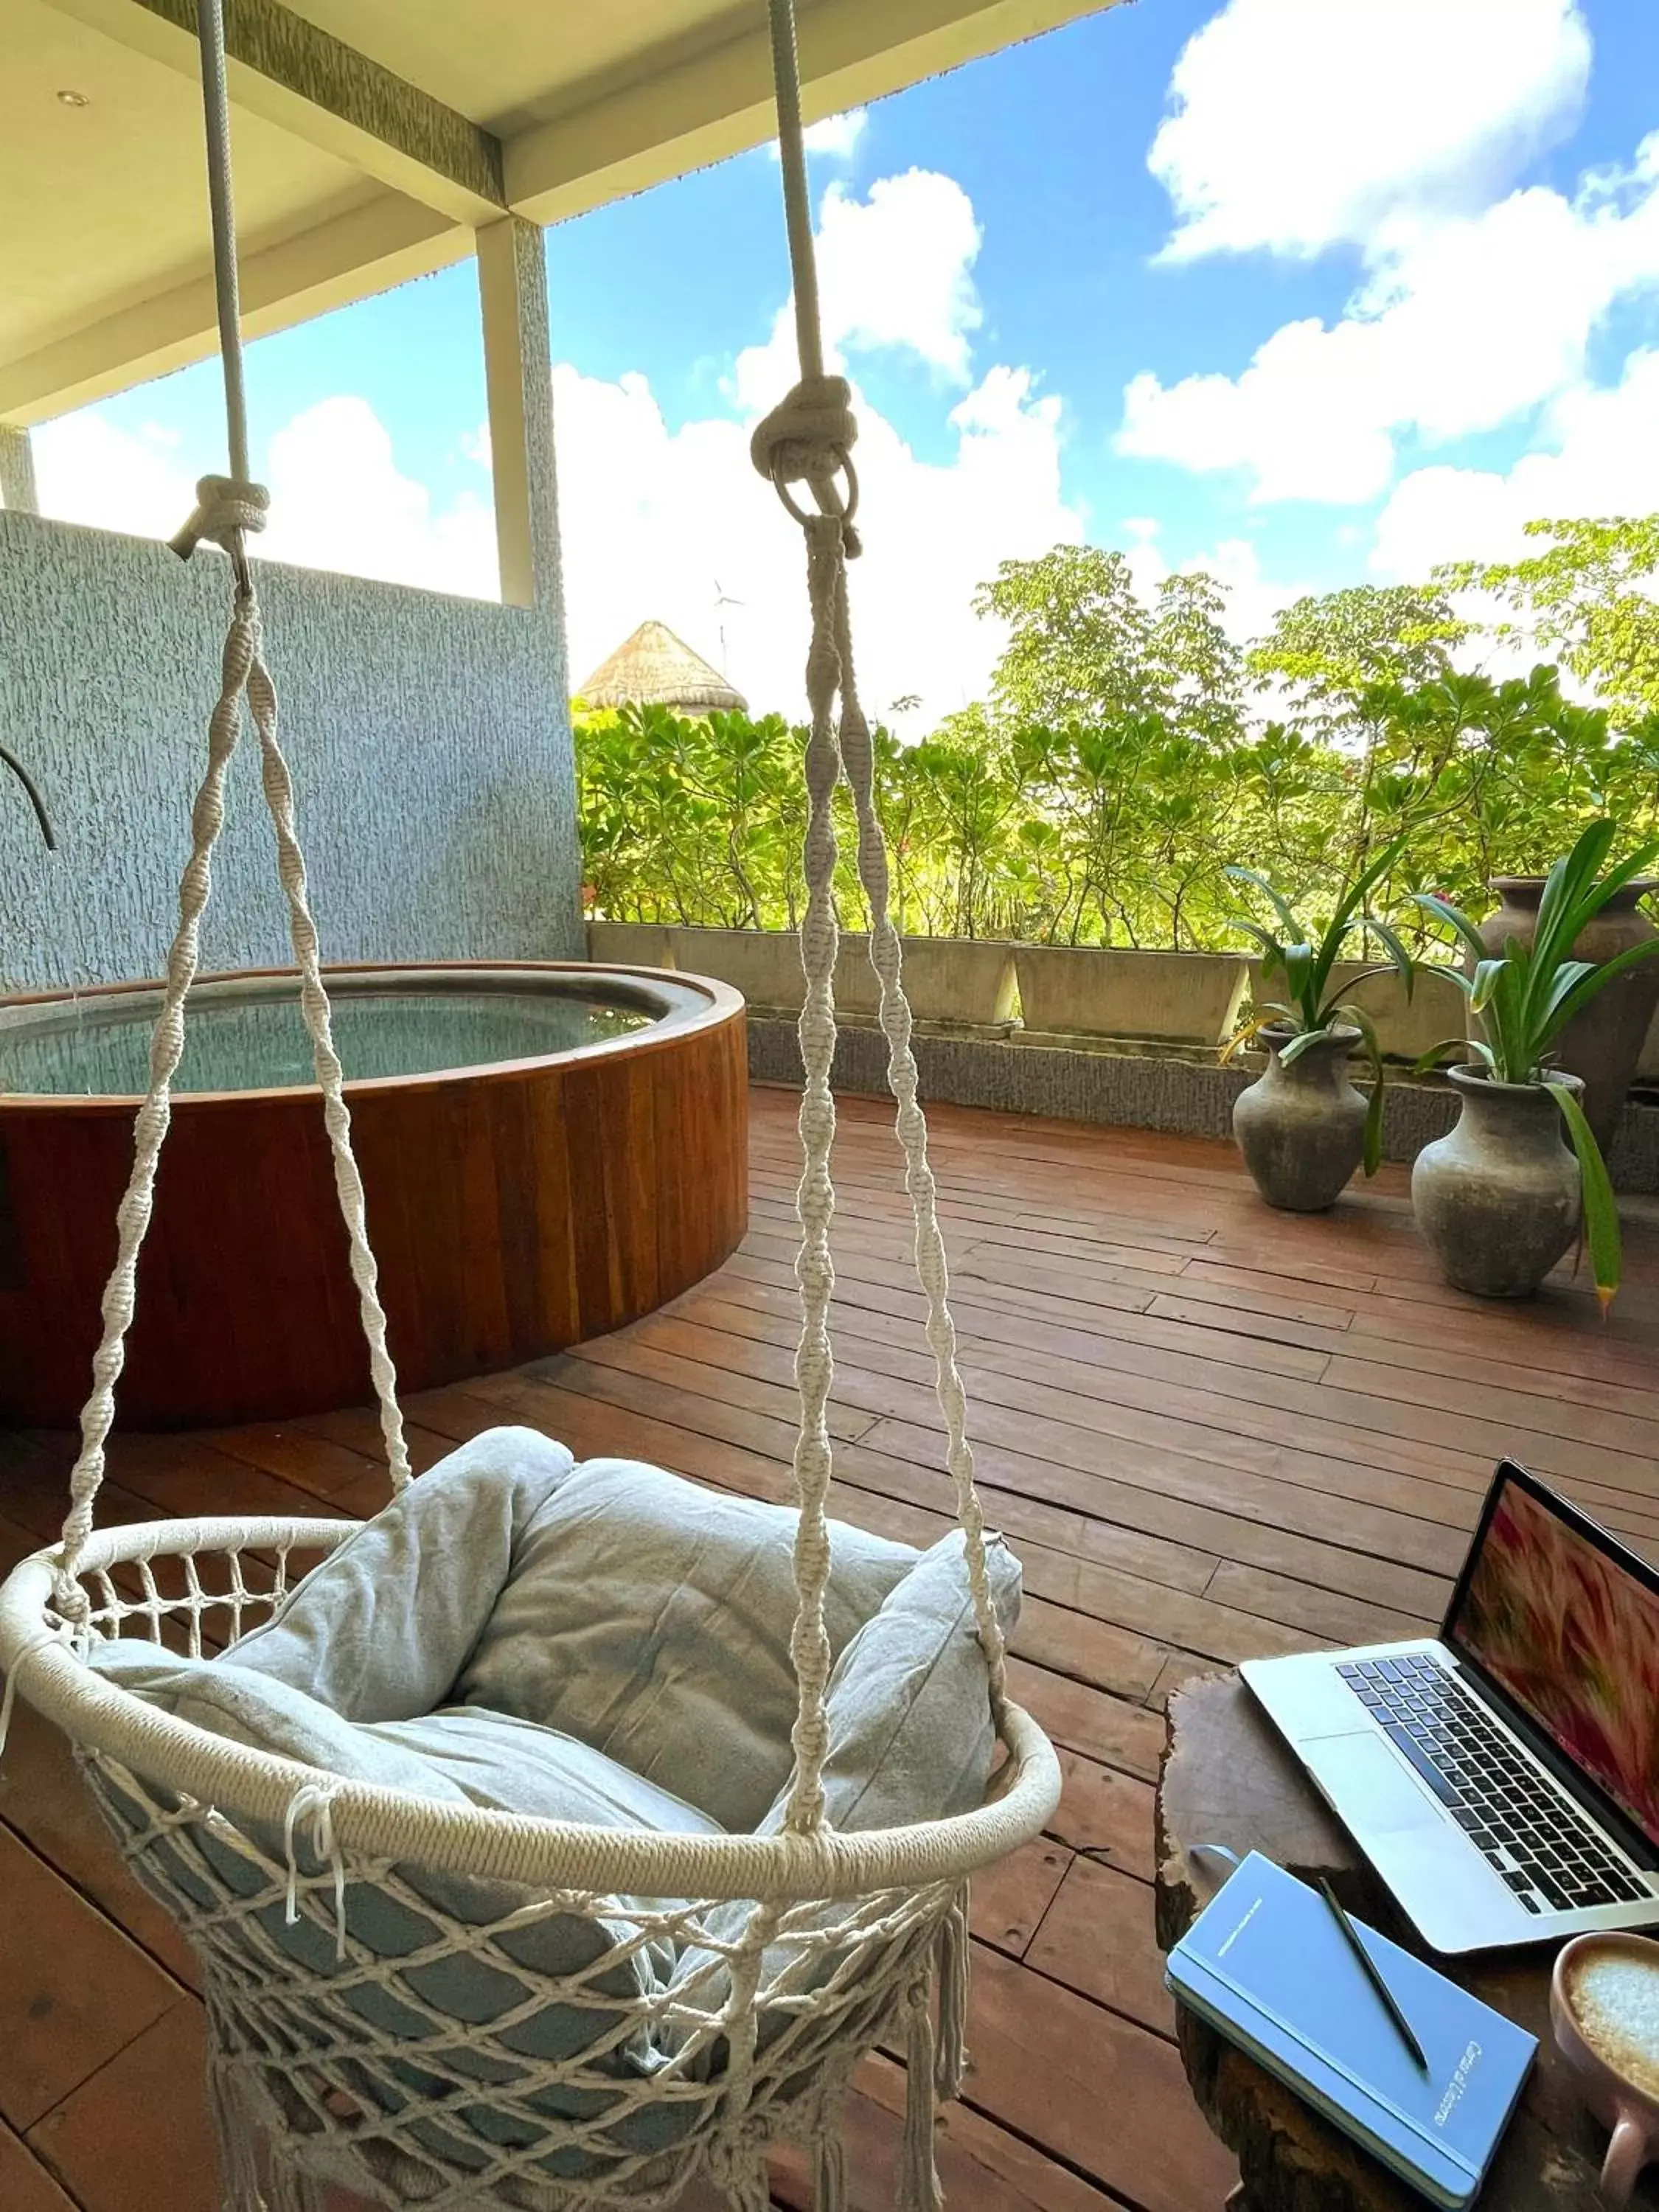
{"points": [[808, 439], [227, 507], [315, 1803]]}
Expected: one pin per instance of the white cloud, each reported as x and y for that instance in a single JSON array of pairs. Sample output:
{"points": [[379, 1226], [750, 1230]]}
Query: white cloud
{"points": [[835, 136], [1466, 324], [894, 272], [1252, 600], [338, 499], [1297, 124], [670, 524], [666, 523], [87, 471], [1603, 459], [675, 524]]}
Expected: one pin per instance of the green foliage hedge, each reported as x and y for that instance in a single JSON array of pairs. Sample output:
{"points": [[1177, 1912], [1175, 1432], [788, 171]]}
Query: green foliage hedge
{"points": [[1123, 761]]}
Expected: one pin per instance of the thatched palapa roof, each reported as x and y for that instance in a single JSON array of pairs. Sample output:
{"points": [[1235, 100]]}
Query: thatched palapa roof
{"points": [[654, 668]]}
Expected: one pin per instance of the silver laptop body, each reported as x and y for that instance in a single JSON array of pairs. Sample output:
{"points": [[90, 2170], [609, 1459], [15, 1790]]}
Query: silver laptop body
{"points": [[1481, 1771]]}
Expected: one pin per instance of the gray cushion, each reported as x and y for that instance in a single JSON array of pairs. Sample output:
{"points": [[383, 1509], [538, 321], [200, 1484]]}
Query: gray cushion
{"points": [[910, 1706], [910, 1740], [607, 1644], [381, 1629], [651, 1618]]}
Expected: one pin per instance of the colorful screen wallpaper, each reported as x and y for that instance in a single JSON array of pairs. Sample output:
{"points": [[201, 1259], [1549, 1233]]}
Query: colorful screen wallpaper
{"points": [[1575, 1641]]}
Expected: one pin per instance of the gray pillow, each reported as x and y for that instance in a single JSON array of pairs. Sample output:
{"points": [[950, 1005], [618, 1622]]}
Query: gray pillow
{"points": [[461, 1755], [651, 1618], [910, 1740], [381, 1630], [910, 1701]]}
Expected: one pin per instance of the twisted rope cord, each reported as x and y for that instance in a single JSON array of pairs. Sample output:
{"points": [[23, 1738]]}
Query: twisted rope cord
{"points": [[808, 439], [167, 1044], [815, 1206], [337, 1115], [932, 1271], [227, 508]]}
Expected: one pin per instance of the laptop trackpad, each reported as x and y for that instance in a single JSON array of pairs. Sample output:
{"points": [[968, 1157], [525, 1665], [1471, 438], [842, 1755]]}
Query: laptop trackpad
{"points": [[1368, 1785]]}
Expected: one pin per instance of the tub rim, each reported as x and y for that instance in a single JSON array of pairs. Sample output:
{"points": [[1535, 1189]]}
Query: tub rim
{"points": [[720, 1004]]}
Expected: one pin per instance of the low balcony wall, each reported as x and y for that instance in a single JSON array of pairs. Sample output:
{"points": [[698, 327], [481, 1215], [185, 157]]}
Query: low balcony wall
{"points": [[1163, 1073]]}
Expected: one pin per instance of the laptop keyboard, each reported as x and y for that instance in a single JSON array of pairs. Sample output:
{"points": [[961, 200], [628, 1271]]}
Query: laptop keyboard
{"points": [[1550, 1857]]}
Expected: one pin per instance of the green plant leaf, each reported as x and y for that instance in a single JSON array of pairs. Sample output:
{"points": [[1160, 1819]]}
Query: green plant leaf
{"points": [[1342, 920], [1363, 884], [1436, 1054], [1601, 1210], [1270, 944], [1281, 905], [1404, 966], [1488, 980], [1453, 917], [1299, 981], [1291, 1053]]}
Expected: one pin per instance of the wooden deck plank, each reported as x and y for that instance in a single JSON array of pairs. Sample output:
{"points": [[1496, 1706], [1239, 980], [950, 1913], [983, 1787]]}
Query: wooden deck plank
{"points": [[1209, 1430], [25, 2185], [74, 1990], [1096, 1937], [133, 2137]]}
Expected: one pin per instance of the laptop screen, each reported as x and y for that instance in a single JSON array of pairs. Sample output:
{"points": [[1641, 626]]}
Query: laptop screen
{"points": [[1566, 1622]]}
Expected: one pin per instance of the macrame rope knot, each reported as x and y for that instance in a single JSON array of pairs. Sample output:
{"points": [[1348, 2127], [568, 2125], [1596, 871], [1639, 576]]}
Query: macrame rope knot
{"points": [[808, 438], [224, 507]]}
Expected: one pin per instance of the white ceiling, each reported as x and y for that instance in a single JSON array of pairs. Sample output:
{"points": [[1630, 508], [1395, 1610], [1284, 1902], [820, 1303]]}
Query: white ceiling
{"points": [[105, 269]]}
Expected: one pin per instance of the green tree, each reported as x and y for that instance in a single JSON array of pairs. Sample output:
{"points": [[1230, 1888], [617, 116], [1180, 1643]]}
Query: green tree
{"points": [[1588, 596], [1084, 647], [1329, 647], [1195, 667], [1079, 637]]}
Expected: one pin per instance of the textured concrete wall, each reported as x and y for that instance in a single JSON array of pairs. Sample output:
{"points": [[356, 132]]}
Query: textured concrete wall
{"points": [[1191, 1098], [429, 739]]}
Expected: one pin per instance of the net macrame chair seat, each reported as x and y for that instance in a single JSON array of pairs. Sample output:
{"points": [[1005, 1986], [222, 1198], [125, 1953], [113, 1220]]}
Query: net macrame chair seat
{"points": [[851, 1939], [383, 2009]]}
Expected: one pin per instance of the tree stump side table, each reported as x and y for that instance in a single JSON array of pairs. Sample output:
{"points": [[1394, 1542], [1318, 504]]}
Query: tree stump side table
{"points": [[1227, 1778]]}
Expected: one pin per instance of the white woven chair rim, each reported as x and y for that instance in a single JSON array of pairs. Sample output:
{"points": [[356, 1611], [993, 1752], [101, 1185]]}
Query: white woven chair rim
{"points": [[373, 1822]]}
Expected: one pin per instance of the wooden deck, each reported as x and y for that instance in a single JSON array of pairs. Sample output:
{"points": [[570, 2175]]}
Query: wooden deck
{"points": [[1210, 1430]]}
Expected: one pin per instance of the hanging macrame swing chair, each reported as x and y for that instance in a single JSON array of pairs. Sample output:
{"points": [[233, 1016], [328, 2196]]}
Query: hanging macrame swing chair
{"points": [[457, 1952]]}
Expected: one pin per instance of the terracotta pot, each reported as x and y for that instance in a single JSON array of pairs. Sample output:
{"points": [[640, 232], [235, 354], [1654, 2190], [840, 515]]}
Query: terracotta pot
{"points": [[1631, 2112], [1302, 1128], [1605, 1042], [1497, 1199]]}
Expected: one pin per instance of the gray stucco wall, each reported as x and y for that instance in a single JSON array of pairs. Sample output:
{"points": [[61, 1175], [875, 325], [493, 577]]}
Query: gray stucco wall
{"points": [[429, 740]]}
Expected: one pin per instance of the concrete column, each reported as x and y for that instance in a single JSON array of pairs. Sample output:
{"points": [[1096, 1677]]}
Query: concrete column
{"points": [[518, 377], [17, 488]]}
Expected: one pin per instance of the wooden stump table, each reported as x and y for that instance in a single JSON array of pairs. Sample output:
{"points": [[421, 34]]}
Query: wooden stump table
{"points": [[1228, 1779]]}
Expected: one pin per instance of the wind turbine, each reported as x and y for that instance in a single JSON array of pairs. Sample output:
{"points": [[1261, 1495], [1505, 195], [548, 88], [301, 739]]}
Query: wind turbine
{"points": [[722, 600]]}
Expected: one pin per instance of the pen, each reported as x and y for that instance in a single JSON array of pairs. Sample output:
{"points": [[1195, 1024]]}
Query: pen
{"points": [[1391, 2003]]}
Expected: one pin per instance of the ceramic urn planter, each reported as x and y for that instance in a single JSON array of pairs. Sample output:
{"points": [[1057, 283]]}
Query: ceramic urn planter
{"points": [[1302, 1128], [1498, 1198], [1603, 1043]]}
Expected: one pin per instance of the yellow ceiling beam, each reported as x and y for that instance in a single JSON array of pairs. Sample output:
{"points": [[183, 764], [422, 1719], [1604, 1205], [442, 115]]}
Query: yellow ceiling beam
{"points": [[319, 89], [719, 102], [369, 250]]}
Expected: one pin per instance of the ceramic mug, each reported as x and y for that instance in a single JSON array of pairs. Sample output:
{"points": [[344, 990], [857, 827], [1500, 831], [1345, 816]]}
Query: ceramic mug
{"points": [[1631, 2113]]}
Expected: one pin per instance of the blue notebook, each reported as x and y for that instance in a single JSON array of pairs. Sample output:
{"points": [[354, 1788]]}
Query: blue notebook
{"points": [[1267, 1965]]}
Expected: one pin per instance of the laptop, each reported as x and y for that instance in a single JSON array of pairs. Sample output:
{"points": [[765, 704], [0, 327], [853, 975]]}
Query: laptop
{"points": [[1503, 1778]]}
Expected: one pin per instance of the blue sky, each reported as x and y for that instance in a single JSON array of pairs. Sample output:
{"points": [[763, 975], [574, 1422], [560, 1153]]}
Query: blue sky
{"points": [[1438, 218]]}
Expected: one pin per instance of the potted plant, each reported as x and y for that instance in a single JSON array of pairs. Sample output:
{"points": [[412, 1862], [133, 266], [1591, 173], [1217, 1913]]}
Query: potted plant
{"points": [[1605, 1042], [1502, 1198], [1302, 1125]]}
